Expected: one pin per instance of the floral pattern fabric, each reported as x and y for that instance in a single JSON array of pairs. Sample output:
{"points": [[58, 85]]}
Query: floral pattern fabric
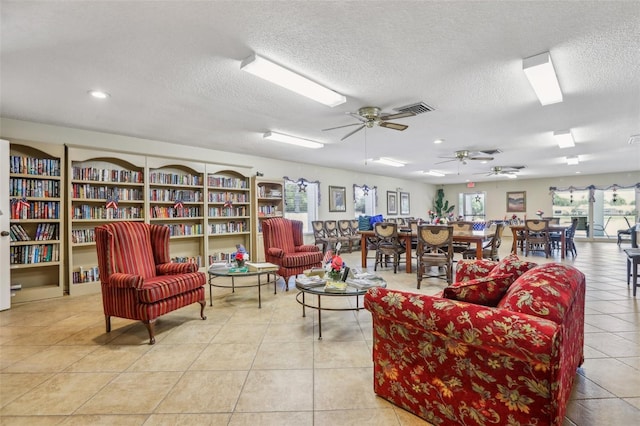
{"points": [[485, 291], [453, 362]]}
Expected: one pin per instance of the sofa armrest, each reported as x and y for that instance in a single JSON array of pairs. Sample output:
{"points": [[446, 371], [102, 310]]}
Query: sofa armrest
{"points": [[307, 248], [461, 327], [121, 280], [276, 252], [176, 268]]}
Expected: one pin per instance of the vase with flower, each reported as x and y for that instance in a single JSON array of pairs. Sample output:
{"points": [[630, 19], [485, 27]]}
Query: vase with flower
{"points": [[539, 213], [241, 259]]}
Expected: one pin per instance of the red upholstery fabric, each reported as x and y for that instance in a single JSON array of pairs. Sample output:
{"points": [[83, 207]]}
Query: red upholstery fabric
{"points": [[512, 264], [458, 363], [485, 291], [471, 269], [134, 286], [284, 246]]}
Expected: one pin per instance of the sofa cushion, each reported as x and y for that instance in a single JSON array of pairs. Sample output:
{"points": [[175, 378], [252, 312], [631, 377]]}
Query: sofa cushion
{"points": [[512, 264], [546, 291], [473, 268], [485, 291]]}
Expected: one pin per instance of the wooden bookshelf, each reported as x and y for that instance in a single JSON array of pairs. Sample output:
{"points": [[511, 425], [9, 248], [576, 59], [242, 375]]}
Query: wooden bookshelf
{"points": [[268, 202]]}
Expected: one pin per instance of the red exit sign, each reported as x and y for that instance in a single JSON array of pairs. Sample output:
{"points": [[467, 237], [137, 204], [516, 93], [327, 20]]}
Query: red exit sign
{"points": [[471, 184]]}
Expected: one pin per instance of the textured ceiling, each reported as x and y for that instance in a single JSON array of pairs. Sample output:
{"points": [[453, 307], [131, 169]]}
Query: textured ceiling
{"points": [[173, 72]]}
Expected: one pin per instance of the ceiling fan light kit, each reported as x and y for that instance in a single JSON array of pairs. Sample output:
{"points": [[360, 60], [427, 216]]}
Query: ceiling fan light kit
{"points": [[542, 77], [292, 140], [267, 70]]}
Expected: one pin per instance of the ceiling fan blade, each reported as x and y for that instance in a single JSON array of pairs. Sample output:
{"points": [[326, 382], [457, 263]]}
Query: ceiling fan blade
{"points": [[446, 161], [398, 115], [394, 126], [358, 116], [477, 157], [356, 130], [340, 127]]}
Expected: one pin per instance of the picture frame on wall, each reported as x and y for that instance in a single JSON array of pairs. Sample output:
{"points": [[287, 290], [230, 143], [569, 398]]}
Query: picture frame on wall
{"points": [[392, 203], [517, 202], [337, 199], [404, 203]]}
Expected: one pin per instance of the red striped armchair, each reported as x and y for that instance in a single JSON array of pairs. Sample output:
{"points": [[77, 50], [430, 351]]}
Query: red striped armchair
{"points": [[284, 246], [139, 282]]}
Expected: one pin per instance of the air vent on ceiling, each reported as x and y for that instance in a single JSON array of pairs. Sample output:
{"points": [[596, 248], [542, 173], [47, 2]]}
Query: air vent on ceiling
{"points": [[417, 108], [634, 139]]}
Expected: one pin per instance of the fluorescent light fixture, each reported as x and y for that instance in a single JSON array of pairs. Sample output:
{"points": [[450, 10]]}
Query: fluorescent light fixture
{"points": [[564, 138], [389, 162], [263, 68], [434, 173], [542, 76], [99, 94], [438, 141], [572, 161], [512, 176], [634, 139], [293, 140]]}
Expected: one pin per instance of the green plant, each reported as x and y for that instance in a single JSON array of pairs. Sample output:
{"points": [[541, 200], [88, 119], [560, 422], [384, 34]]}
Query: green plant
{"points": [[441, 206]]}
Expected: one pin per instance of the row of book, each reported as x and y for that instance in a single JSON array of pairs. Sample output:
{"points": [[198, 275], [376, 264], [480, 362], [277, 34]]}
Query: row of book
{"points": [[228, 211], [268, 210], [35, 209], [188, 259], [86, 275], [158, 212], [34, 188], [174, 179], [187, 196], [107, 175], [86, 190], [34, 166], [36, 253], [181, 229], [101, 212], [227, 182], [79, 236], [220, 257], [224, 197], [229, 227]]}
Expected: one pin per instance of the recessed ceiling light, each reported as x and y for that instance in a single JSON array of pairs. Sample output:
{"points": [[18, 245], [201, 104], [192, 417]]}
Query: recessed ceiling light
{"points": [[437, 141], [292, 140], [572, 161], [564, 138], [99, 94]]}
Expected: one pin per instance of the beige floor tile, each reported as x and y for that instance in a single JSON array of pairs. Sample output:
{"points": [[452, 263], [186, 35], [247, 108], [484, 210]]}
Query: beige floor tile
{"points": [[609, 323], [355, 390], [609, 411], [51, 359], [132, 393], [12, 354], [192, 332], [355, 417], [336, 354], [13, 385], [272, 419], [612, 345], [111, 358], [284, 355], [584, 388], [614, 376], [106, 420], [63, 394], [300, 330], [204, 392], [277, 390], [164, 357], [188, 420], [240, 333], [226, 356], [32, 420]]}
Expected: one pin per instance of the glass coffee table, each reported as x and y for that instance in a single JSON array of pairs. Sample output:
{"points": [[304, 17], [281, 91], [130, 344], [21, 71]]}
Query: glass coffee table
{"points": [[228, 273], [316, 287]]}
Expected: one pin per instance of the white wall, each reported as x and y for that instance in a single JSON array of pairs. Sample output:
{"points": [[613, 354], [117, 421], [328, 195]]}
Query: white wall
{"points": [[421, 194]]}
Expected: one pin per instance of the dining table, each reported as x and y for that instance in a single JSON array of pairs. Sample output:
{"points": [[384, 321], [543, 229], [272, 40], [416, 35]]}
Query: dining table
{"points": [[559, 228], [477, 237]]}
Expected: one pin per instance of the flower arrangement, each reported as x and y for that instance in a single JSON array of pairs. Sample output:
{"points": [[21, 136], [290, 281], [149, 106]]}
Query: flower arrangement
{"points": [[240, 256], [539, 213], [334, 268]]}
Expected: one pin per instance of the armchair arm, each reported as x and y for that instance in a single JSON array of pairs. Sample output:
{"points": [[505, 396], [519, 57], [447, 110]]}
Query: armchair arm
{"points": [[176, 268], [460, 327], [307, 248], [275, 252], [121, 280]]}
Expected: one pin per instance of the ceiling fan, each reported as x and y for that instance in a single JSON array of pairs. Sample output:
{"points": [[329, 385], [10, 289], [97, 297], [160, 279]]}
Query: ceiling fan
{"points": [[503, 170], [464, 154], [373, 116]]}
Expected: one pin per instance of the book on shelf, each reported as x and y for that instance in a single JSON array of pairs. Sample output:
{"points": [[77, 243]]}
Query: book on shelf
{"points": [[262, 266]]}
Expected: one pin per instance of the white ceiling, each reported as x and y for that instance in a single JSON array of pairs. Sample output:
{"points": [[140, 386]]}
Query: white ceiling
{"points": [[173, 71]]}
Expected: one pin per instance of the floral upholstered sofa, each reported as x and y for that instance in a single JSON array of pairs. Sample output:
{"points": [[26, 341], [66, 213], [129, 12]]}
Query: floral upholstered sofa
{"points": [[500, 346]]}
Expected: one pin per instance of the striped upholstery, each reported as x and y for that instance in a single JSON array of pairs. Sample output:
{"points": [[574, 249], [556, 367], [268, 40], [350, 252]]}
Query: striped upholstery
{"points": [[284, 246], [138, 280]]}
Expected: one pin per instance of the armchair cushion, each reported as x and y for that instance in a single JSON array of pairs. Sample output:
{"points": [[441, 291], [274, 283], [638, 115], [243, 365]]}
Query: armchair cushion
{"points": [[176, 268], [166, 286], [485, 291], [473, 268], [512, 264]]}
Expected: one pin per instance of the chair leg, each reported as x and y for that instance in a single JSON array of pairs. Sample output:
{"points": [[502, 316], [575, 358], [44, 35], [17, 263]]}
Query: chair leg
{"points": [[151, 329], [107, 322], [202, 303]]}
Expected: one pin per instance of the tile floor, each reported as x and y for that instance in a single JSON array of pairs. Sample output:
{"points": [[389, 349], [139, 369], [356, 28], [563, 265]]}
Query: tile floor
{"points": [[250, 366]]}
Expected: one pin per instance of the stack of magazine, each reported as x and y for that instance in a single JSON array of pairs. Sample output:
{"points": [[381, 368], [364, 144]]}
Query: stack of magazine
{"points": [[313, 281]]}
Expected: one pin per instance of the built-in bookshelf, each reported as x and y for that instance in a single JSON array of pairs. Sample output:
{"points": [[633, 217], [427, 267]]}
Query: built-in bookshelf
{"points": [[176, 200], [36, 193], [268, 202], [103, 187], [228, 212]]}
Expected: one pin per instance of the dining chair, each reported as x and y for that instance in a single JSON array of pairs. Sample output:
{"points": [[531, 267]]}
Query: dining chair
{"points": [[388, 244], [461, 226], [537, 236], [435, 249], [320, 235], [490, 249], [346, 232]]}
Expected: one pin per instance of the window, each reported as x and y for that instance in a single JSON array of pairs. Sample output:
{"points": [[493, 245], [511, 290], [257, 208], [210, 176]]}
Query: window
{"points": [[573, 203], [610, 208], [301, 202], [365, 200], [471, 206]]}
